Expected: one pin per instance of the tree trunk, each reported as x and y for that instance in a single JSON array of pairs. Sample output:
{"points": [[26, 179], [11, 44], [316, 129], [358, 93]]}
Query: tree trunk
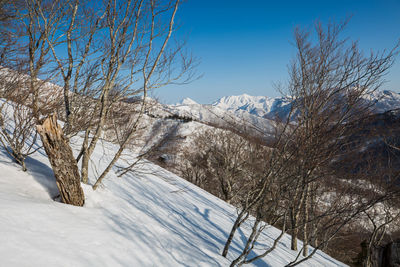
{"points": [[293, 215], [85, 167], [62, 161], [305, 220], [239, 220]]}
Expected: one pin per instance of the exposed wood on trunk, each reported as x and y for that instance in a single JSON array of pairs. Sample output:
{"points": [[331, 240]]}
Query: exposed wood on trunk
{"points": [[62, 161]]}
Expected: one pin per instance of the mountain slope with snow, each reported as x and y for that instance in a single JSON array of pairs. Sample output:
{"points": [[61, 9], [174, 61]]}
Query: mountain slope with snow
{"points": [[243, 114], [383, 101], [266, 107], [260, 106], [147, 218], [221, 117]]}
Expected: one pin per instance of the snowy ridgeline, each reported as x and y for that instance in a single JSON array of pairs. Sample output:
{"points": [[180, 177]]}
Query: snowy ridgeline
{"points": [[147, 218], [267, 107]]}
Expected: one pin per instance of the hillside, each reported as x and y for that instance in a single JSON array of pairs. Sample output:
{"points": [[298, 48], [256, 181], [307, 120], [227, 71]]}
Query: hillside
{"points": [[147, 218]]}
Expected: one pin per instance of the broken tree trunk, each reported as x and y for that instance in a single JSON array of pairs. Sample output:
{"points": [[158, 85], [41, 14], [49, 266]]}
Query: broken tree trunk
{"points": [[62, 161]]}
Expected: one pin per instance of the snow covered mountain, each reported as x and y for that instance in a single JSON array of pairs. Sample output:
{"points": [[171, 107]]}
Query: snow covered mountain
{"points": [[251, 115], [266, 107], [187, 101], [384, 100], [218, 116], [261, 106]]}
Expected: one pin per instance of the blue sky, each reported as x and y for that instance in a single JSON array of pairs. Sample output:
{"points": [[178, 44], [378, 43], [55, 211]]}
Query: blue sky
{"points": [[245, 46]]}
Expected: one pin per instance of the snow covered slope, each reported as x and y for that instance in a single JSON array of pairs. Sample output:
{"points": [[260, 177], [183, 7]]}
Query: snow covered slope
{"points": [[147, 218]]}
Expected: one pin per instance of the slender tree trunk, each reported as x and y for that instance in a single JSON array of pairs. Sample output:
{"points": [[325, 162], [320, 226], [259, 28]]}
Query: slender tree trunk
{"points": [[67, 105], [295, 214], [293, 218], [306, 215], [62, 161], [239, 220], [239, 260], [19, 159], [85, 167], [87, 153]]}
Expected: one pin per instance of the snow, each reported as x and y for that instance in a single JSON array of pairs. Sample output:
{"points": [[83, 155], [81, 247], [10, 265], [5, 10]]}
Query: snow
{"points": [[147, 218], [222, 117], [255, 115], [266, 107], [384, 100], [261, 106], [187, 101]]}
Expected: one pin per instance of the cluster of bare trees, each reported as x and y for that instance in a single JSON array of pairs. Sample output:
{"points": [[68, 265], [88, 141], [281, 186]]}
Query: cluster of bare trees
{"points": [[302, 191], [223, 163], [299, 184], [329, 81], [100, 55]]}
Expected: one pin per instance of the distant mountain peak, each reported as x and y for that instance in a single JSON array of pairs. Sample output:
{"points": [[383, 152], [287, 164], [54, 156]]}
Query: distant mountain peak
{"points": [[187, 101]]}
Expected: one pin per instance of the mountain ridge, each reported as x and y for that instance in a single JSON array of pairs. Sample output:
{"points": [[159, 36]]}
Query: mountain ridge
{"points": [[269, 107]]}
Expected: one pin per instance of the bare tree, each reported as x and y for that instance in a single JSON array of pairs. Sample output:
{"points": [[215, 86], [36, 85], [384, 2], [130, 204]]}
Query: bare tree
{"points": [[380, 217], [115, 50], [17, 130], [26, 97], [328, 83]]}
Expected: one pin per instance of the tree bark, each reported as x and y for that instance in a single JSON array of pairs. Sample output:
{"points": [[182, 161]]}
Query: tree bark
{"points": [[62, 161], [294, 219], [243, 215], [305, 220]]}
